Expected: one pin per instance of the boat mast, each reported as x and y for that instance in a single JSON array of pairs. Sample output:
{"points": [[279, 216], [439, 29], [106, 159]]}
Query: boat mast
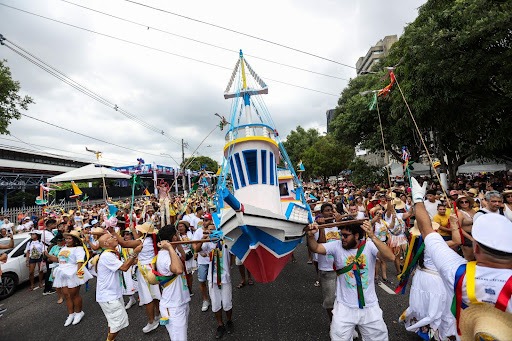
{"points": [[247, 96]]}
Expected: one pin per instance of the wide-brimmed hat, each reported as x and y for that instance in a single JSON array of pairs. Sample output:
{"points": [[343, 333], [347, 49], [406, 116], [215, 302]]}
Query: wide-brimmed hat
{"points": [[35, 232], [399, 204], [97, 231], [146, 228], [485, 322], [184, 222], [473, 191], [415, 231], [508, 191], [73, 233]]}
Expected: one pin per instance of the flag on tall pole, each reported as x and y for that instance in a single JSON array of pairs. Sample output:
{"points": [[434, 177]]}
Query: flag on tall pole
{"points": [[373, 103], [387, 89]]}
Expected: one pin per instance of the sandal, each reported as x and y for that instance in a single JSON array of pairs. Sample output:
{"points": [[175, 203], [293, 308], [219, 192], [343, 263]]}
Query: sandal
{"points": [[241, 285], [60, 300], [250, 282]]}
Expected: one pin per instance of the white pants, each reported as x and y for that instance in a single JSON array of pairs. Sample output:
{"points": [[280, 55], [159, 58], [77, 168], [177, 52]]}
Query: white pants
{"points": [[165, 215], [178, 321], [220, 298], [147, 292], [370, 322]]}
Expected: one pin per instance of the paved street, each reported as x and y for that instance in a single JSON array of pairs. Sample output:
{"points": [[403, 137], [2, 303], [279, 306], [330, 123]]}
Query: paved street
{"points": [[288, 309]]}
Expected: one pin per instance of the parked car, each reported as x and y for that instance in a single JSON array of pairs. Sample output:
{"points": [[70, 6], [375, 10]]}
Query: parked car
{"points": [[14, 270]]}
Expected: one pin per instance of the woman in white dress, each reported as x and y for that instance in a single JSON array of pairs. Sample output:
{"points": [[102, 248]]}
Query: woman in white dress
{"points": [[428, 314], [71, 274]]}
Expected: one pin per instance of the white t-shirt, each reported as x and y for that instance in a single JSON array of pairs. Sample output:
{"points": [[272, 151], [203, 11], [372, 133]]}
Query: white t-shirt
{"points": [[176, 293], [147, 253], [225, 275], [46, 237], [109, 286], [346, 288], [35, 249], [488, 281], [25, 227], [381, 230], [325, 262], [360, 215], [192, 219], [431, 208], [203, 256]]}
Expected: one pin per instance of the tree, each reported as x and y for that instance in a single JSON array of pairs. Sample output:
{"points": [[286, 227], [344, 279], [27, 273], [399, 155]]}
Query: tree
{"points": [[364, 174], [298, 141], [454, 69], [198, 162], [326, 157], [10, 101]]}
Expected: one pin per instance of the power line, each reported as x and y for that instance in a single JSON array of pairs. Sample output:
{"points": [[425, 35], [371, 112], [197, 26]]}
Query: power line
{"points": [[87, 136], [241, 33], [199, 41], [61, 76], [160, 50]]}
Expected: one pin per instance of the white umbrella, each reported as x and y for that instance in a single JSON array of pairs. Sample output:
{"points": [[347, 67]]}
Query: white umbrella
{"points": [[91, 171]]}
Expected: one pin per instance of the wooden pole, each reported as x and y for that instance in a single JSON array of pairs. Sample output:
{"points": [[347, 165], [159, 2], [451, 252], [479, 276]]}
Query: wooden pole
{"points": [[341, 223]]}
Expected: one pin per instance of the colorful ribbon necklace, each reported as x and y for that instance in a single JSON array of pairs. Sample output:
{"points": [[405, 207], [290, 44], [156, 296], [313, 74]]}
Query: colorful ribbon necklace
{"points": [[356, 266]]}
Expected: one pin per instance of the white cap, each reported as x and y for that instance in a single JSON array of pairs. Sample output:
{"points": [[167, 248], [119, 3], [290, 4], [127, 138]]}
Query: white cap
{"points": [[86, 225], [35, 232], [94, 221], [494, 231]]}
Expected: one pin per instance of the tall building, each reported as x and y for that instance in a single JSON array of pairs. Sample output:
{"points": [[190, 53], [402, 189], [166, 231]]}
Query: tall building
{"points": [[330, 116], [375, 53]]}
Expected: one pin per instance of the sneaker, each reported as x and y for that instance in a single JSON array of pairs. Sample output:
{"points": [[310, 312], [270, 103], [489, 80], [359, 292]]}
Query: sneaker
{"points": [[205, 306], [2, 310], [230, 327], [130, 303], [53, 291], [78, 317], [151, 326], [69, 320], [317, 284], [220, 332]]}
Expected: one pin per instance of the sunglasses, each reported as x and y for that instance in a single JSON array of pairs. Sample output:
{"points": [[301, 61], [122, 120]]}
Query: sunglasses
{"points": [[508, 196], [345, 235], [464, 202]]}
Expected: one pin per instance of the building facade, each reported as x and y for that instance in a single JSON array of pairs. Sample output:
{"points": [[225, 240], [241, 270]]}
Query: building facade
{"points": [[375, 53]]}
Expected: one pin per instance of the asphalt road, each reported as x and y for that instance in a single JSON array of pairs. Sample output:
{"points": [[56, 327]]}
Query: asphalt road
{"points": [[287, 309]]}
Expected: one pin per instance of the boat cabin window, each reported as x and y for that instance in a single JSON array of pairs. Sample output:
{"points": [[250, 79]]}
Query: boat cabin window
{"points": [[283, 189], [251, 164], [264, 166]]}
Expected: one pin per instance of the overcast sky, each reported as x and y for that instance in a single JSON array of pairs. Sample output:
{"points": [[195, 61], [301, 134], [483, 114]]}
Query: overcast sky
{"points": [[177, 94]]}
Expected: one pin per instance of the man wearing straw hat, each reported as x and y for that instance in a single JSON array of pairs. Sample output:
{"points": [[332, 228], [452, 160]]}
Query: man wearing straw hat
{"points": [[356, 300], [109, 286], [484, 285]]}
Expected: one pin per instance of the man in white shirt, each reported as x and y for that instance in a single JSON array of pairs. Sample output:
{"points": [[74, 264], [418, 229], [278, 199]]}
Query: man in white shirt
{"points": [[174, 304], [109, 286], [493, 202], [492, 246], [27, 225], [219, 281], [194, 219], [431, 203], [355, 258]]}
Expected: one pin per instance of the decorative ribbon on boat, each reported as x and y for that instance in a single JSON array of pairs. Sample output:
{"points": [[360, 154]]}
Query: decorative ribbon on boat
{"points": [[356, 267], [215, 257], [410, 262]]}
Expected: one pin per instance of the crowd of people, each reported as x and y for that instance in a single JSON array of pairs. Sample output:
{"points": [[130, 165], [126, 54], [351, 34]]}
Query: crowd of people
{"points": [[141, 253]]}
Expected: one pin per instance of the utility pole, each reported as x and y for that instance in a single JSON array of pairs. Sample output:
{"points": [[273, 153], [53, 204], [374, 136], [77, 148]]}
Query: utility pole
{"points": [[183, 181]]}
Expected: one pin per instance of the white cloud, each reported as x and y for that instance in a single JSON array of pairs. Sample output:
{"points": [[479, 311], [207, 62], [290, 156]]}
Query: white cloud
{"points": [[178, 95]]}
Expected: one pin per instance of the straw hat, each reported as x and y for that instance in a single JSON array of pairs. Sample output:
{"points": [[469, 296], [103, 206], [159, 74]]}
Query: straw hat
{"points": [[473, 191], [416, 231], [97, 231], [146, 228], [184, 222], [73, 233], [485, 322], [399, 204], [508, 191]]}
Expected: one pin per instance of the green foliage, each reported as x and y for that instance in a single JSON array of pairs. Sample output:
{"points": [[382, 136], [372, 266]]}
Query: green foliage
{"points": [[10, 101], [326, 157], [454, 70], [199, 161], [298, 141], [364, 174]]}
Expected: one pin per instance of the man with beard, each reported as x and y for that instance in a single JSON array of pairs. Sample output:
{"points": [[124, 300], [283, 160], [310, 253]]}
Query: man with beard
{"points": [[356, 300]]}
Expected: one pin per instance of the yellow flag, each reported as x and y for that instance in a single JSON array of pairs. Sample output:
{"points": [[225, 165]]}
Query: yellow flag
{"points": [[76, 190], [146, 192]]}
